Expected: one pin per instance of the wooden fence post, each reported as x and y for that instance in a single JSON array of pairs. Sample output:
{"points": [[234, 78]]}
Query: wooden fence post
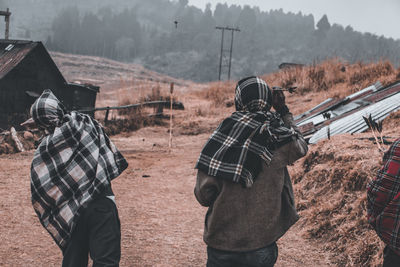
{"points": [[160, 108], [106, 117], [171, 100]]}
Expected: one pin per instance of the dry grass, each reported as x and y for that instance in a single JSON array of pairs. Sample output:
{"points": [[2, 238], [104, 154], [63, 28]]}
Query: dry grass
{"points": [[330, 185], [330, 182], [315, 83], [335, 76], [219, 93], [117, 126], [131, 119], [332, 78]]}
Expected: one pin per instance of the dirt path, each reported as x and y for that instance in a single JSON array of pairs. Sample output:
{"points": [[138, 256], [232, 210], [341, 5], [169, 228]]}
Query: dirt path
{"points": [[162, 223]]}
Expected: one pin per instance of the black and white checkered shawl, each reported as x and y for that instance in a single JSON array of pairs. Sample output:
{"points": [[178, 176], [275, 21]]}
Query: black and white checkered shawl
{"points": [[71, 166], [235, 149]]}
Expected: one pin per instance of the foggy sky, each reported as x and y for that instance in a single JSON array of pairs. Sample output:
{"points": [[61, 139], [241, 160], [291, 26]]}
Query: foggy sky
{"points": [[380, 17]]}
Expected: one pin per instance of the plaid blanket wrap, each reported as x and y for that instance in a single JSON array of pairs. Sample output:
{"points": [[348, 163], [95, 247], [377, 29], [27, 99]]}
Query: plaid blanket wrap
{"points": [[70, 167], [383, 199], [235, 150]]}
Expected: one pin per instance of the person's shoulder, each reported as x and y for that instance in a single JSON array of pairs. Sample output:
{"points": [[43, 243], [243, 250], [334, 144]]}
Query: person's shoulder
{"points": [[395, 148], [397, 142], [393, 153]]}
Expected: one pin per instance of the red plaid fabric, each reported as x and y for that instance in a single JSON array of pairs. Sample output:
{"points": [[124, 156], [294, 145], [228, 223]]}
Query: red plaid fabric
{"points": [[383, 195]]}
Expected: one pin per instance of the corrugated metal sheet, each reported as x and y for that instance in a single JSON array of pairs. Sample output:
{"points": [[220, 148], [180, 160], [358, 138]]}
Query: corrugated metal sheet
{"points": [[347, 108], [315, 120], [305, 114], [311, 110], [338, 107], [382, 94], [333, 103], [366, 91], [307, 129], [339, 111], [321, 108], [12, 53], [354, 123]]}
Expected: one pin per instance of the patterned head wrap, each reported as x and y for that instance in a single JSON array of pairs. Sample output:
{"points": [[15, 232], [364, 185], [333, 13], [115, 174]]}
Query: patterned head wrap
{"points": [[252, 94], [73, 164], [49, 112], [235, 149]]}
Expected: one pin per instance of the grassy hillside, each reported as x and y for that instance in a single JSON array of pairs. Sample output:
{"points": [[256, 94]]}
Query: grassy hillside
{"points": [[330, 182]]}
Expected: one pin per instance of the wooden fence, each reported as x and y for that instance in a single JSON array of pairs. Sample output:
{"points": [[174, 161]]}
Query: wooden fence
{"points": [[159, 104]]}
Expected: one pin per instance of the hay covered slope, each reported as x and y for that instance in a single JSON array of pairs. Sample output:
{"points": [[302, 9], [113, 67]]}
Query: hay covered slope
{"points": [[330, 187], [330, 182]]}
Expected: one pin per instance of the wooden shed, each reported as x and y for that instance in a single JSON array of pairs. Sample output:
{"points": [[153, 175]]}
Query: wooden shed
{"points": [[26, 69], [83, 96]]}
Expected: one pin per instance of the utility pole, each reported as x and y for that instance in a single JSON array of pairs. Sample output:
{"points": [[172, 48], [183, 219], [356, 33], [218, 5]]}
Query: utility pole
{"points": [[6, 15], [222, 55]]}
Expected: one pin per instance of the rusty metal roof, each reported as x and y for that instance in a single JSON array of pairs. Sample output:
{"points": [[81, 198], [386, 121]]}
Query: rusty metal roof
{"points": [[384, 93], [335, 107], [366, 91], [344, 116], [12, 52], [354, 123], [307, 129], [308, 112], [319, 109]]}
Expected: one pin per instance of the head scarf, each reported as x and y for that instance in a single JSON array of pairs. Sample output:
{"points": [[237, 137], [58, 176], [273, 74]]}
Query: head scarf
{"points": [[73, 164], [47, 111], [252, 94], [235, 149]]}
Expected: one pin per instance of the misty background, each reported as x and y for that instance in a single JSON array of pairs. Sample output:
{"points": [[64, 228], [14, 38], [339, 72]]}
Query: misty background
{"points": [[144, 32]]}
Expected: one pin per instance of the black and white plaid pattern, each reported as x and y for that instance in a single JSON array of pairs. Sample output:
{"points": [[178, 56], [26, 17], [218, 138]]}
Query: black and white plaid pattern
{"points": [[48, 113], [252, 94], [235, 149], [70, 167]]}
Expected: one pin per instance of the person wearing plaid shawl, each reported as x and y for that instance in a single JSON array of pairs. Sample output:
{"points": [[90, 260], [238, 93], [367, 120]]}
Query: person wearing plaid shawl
{"points": [[383, 204], [71, 175], [243, 179]]}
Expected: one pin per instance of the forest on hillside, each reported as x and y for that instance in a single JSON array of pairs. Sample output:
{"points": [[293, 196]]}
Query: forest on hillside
{"points": [[144, 32]]}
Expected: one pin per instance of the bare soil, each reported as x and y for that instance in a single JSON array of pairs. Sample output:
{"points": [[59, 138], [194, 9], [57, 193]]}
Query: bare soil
{"points": [[162, 224]]}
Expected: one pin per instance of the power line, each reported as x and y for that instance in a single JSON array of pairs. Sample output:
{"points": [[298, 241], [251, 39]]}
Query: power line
{"points": [[222, 54]]}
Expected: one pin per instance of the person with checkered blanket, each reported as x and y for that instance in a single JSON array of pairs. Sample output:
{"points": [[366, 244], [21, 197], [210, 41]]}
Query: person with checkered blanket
{"points": [[383, 204], [71, 175], [243, 180]]}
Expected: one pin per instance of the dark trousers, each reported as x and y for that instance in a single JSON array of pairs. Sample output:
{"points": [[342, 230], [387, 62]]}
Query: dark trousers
{"points": [[97, 233], [264, 257], [390, 258]]}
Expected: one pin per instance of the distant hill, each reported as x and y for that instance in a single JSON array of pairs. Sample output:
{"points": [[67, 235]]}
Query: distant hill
{"points": [[117, 80], [144, 32]]}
